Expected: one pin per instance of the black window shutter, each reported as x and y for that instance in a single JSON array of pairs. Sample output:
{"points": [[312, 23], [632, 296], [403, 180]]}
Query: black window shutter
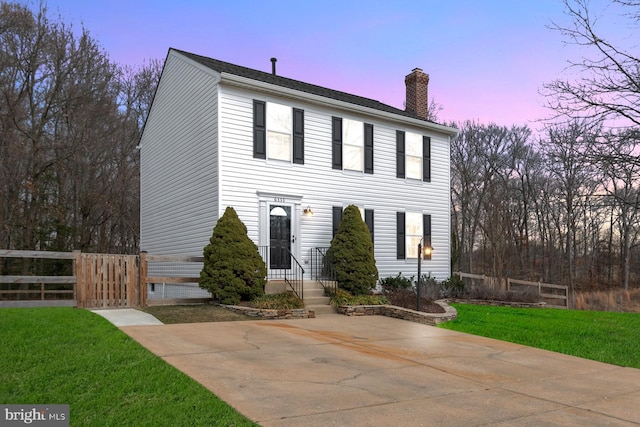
{"points": [[368, 219], [400, 156], [298, 136], [368, 148], [426, 158], [337, 217], [426, 233], [259, 130], [400, 242], [336, 142]]}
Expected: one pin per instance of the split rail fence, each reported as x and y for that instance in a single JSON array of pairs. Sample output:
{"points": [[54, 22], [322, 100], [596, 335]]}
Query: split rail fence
{"points": [[109, 281], [97, 280], [555, 296]]}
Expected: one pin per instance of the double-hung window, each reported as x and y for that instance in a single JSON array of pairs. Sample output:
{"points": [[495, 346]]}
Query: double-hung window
{"points": [[413, 156], [352, 145], [278, 132], [411, 228]]}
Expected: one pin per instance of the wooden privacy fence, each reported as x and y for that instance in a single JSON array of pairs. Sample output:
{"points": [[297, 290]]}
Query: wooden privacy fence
{"points": [[108, 281], [555, 296], [95, 280]]}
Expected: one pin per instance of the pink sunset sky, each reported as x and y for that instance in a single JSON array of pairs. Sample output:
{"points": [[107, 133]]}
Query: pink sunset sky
{"points": [[487, 59]]}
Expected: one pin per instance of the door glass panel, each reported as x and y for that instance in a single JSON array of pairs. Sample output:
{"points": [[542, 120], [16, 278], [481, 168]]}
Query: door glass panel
{"points": [[279, 237]]}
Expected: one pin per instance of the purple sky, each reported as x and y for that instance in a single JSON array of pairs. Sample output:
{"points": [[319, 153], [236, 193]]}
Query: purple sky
{"points": [[487, 59]]}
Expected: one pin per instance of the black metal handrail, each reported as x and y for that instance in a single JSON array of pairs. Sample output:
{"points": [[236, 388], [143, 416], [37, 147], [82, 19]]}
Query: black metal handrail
{"points": [[292, 274], [322, 268]]}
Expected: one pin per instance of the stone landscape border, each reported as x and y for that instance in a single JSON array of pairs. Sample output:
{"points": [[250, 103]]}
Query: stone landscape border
{"points": [[402, 313], [378, 310], [264, 313], [353, 310]]}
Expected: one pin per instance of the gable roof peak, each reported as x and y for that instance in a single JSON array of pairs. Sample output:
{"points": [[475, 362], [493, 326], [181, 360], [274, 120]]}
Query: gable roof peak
{"points": [[273, 78]]}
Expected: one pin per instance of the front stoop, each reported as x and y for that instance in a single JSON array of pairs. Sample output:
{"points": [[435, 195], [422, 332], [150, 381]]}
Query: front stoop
{"points": [[314, 298]]}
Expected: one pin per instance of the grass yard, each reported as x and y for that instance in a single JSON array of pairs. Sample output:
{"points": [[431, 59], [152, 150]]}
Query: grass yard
{"points": [[72, 356], [603, 336]]}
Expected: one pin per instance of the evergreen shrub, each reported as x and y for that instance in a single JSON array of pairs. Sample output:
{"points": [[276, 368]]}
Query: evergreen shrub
{"points": [[233, 269], [453, 287], [391, 283], [352, 254]]}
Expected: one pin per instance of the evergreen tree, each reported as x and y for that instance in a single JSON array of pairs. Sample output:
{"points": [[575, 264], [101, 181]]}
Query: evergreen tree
{"points": [[233, 269], [352, 254]]}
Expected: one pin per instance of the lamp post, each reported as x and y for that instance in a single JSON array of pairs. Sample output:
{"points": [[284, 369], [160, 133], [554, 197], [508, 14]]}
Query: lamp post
{"points": [[427, 251], [419, 273]]}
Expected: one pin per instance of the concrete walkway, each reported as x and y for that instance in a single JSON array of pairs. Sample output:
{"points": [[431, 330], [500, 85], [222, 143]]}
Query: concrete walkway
{"points": [[127, 316], [377, 371]]}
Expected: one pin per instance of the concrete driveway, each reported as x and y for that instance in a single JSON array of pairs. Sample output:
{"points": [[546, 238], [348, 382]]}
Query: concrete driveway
{"points": [[377, 371]]}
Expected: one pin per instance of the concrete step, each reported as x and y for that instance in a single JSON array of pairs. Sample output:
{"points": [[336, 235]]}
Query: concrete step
{"points": [[321, 309], [314, 297], [311, 293], [316, 301]]}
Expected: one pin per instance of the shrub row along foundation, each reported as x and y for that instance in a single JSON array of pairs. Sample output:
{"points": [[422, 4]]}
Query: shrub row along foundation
{"points": [[262, 313], [401, 313]]}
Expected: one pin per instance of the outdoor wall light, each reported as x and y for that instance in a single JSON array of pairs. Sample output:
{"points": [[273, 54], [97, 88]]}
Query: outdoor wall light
{"points": [[307, 211]]}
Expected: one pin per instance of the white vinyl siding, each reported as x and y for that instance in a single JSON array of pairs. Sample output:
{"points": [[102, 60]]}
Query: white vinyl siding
{"points": [[322, 187], [197, 158], [178, 162]]}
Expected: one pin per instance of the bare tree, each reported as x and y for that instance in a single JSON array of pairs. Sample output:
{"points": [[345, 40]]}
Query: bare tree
{"points": [[565, 150], [620, 171], [609, 84], [70, 121], [481, 177]]}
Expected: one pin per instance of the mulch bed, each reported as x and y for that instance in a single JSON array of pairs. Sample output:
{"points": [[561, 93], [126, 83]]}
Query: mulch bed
{"points": [[407, 299]]}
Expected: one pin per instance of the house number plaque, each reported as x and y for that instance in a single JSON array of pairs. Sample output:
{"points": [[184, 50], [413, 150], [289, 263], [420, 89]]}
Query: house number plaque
{"points": [[279, 199]]}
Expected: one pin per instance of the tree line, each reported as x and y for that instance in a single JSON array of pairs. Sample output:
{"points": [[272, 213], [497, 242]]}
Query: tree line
{"points": [[562, 207], [70, 121], [559, 206]]}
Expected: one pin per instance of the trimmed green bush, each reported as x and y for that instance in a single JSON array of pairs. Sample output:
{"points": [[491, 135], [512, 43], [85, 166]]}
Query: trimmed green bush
{"points": [[233, 269], [283, 301], [453, 287], [391, 283], [342, 297], [352, 254]]}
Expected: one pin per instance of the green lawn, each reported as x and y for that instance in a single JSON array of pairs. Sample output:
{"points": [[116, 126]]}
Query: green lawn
{"points": [[72, 356], [603, 336]]}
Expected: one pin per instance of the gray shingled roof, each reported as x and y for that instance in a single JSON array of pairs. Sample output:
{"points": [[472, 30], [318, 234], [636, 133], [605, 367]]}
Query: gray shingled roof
{"points": [[221, 66]]}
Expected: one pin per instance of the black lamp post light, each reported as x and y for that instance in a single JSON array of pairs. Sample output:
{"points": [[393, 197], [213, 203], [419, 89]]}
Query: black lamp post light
{"points": [[423, 251]]}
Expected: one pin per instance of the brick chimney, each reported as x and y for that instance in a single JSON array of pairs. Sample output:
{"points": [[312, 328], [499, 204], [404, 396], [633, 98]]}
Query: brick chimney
{"points": [[417, 89]]}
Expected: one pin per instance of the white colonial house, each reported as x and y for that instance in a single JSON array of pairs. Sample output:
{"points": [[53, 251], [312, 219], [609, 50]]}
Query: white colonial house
{"points": [[288, 156]]}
